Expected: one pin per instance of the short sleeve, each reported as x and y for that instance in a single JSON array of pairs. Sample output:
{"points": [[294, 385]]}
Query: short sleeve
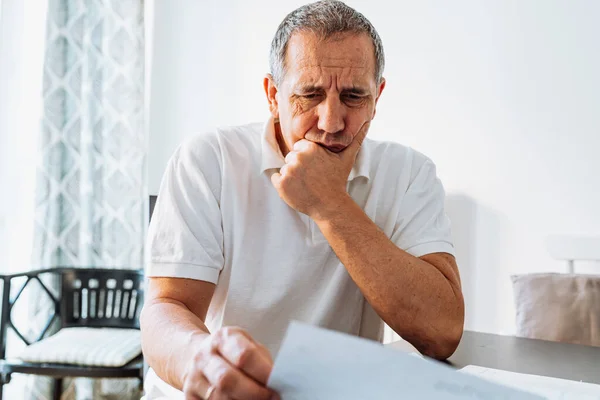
{"points": [[185, 238], [422, 226]]}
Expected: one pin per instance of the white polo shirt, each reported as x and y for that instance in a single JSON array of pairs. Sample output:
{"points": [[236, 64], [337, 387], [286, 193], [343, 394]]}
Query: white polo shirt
{"points": [[218, 218]]}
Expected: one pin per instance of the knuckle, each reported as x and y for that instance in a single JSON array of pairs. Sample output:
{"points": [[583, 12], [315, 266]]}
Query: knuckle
{"points": [[288, 170], [188, 390], [225, 380], [191, 383], [201, 355], [246, 355], [311, 145], [231, 333], [291, 156], [213, 343], [227, 331], [284, 184], [239, 330], [198, 356]]}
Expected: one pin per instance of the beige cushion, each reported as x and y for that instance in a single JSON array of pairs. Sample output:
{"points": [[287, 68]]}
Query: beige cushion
{"points": [[101, 347], [558, 307]]}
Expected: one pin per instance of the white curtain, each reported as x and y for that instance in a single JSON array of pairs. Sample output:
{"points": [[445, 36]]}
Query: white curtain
{"points": [[90, 192], [91, 180]]}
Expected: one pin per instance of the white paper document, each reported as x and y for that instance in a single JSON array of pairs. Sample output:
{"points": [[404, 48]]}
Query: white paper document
{"points": [[317, 364], [549, 388]]}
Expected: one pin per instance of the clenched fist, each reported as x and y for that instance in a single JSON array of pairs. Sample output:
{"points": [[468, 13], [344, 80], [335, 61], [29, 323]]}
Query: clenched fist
{"points": [[313, 178], [229, 364]]}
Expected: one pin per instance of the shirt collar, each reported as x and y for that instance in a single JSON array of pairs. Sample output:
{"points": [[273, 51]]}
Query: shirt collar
{"points": [[272, 158]]}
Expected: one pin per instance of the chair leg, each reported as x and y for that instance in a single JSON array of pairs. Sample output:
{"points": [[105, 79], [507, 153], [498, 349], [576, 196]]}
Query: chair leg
{"points": [[4, 379], [58, 387]]}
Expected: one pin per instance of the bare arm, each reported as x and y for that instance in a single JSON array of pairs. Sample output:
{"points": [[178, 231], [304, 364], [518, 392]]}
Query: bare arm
{"points": [[172, 322], [178, 346], [419, 298]]}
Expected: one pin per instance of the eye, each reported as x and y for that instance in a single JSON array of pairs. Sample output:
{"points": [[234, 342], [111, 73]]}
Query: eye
{"points": [[310, 96], [352, 97]]}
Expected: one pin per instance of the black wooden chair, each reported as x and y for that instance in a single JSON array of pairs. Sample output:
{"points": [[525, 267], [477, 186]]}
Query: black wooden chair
{"points": [[98, 298]]}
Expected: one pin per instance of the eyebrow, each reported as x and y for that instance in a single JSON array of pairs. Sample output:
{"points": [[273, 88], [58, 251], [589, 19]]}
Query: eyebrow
{"points": [[315, 88], [355, 90]]}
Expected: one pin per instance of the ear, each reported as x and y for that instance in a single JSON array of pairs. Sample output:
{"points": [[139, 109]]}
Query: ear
{"points": [[271, 93], [379, 90]]}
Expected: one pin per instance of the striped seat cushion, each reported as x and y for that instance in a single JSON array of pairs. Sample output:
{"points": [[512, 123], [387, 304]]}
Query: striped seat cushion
{"points": [[100, 347]]}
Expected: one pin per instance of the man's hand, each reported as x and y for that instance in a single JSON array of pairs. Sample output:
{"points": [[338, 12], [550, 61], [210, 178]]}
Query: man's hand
{"points": [[313, 178], [233, 364]]}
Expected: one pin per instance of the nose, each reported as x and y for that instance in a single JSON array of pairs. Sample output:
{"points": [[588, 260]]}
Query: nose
{"points": [[331, 115]]}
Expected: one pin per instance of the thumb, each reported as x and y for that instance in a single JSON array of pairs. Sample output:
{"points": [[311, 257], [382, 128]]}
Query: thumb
{"points": [[351, 151], [276, 180]]}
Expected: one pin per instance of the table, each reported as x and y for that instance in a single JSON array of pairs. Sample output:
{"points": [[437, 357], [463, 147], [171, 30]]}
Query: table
{"points": [[529, 356]]}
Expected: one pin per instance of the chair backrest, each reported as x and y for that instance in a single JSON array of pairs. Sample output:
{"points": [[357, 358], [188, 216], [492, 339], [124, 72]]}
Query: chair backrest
{"points": [[573, 248], [101, 297]]}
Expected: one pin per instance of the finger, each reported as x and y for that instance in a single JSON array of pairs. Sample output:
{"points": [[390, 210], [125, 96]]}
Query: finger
{"points": [[291, 157], [263, 348], [229, 381], [192, 396], [276, 179], [284, 170], [351, 151], [243, 353], [195, 388], [266, 353], [232, 330], [219, 395], [303, 145]]}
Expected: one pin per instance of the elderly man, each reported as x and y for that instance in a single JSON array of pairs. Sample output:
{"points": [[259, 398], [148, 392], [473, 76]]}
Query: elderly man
{"points": [[301, 218]]}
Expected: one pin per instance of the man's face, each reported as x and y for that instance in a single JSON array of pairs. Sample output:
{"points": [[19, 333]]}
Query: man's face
{"points": [[328, 92]]}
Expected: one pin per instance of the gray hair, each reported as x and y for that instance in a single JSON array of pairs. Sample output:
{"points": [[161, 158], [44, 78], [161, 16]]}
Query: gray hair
{"points": [[325, 18]]}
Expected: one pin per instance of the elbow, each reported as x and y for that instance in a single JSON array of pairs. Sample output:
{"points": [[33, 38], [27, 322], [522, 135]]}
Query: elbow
{"points": [[448, 333], [442, 347], [446, 346], [448, 337], [441, 341]]}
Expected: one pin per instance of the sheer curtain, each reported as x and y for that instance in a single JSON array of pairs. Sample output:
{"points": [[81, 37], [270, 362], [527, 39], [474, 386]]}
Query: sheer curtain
{"points": [[90, 192], [91, 178]]}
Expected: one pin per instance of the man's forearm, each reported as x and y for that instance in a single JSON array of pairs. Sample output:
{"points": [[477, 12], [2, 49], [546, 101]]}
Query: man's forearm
{"points": [[169, 331], [421, 302]]}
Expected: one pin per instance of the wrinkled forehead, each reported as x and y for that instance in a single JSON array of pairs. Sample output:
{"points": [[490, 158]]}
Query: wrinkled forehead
{"points": [[347, 58]]}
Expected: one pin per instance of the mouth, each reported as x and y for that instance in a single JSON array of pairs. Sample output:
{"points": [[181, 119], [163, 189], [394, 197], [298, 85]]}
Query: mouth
{"points": [[335, 148]]}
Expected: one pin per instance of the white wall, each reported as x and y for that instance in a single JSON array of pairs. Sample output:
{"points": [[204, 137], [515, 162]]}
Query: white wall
{"points": [[22, 29], [504, 96]]}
